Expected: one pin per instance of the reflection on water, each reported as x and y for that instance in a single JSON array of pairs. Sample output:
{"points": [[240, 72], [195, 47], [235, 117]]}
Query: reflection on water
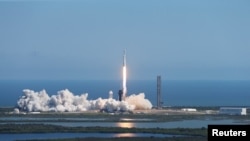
{"points": [[135, 119], [125, 135], [125, 124], [173, 124]]}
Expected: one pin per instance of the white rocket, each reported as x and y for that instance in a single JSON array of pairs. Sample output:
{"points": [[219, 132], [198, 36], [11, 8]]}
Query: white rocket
{"points": [[124, 74], [124, 58]]}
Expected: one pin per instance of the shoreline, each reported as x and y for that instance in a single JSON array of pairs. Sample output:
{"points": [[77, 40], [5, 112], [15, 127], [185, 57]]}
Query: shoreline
{"points": [[31, 123]]}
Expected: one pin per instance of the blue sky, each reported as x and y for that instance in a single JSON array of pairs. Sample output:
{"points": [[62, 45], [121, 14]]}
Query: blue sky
{"points": [[177, 39]]}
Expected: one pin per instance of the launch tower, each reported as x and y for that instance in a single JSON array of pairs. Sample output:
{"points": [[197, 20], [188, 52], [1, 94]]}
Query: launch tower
{"points": [[159, 99]]}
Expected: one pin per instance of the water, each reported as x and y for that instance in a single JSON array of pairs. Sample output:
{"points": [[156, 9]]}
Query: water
{"points": [[29, 136], [172, 124], [174, 93]]}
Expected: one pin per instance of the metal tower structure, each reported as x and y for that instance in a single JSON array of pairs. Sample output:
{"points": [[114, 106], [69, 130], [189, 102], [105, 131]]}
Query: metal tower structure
{"points": [[159, 102]]}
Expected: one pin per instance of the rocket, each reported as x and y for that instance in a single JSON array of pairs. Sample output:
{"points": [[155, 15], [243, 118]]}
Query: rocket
{"points": [[124, 58], [124, 77], [122, 92]]}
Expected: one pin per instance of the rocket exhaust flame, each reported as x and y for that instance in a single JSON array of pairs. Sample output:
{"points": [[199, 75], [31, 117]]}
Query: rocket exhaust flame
{"points": [[124, 87]]}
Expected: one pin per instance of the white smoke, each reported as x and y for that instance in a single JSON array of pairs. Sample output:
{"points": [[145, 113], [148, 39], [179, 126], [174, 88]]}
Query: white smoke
{"points": [[65, 101]]}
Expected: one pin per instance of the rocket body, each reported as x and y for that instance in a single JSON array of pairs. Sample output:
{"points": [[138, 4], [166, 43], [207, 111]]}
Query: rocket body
{"points": [[124, 58], [124, 78]]}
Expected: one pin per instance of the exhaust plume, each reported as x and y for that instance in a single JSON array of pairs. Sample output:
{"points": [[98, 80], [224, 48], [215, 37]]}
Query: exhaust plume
{"points": [[66, 101]]}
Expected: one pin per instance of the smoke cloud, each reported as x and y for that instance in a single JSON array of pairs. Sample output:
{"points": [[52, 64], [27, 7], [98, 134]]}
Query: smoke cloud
{"points": [[66, 101]]}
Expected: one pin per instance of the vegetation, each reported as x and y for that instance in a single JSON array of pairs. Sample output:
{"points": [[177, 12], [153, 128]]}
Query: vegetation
{"points": [[3, 110], [44, 128], [131, 139]]}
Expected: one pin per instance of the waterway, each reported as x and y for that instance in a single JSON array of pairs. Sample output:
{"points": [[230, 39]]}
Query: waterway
{"points": [[196, 123], [172, 124], [29, 136]]}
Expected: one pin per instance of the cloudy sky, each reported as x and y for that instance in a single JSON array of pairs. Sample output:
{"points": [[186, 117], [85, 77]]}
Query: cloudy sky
{"points": [[84, 40]]}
